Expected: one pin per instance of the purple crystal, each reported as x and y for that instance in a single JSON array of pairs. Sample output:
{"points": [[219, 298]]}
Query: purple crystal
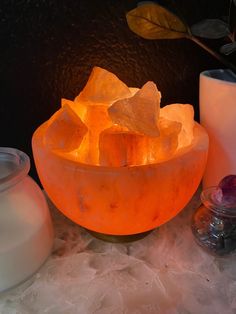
{"points": [[228, 182], [228, 187]]}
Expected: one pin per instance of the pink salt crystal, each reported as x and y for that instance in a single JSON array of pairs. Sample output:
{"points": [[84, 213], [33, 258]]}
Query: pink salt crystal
{"points": [[138, 113], [164, 146], [103, 87], [119, 147], [79, 108], [65, 130], [96, 119], [184, 114], [133, 90]]}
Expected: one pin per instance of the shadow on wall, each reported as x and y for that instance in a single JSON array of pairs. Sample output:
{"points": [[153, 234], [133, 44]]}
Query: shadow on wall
{"points": [[48, 49]]}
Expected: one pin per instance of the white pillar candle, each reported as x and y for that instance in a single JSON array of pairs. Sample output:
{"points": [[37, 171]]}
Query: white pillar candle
{"points": [[218, 116]]}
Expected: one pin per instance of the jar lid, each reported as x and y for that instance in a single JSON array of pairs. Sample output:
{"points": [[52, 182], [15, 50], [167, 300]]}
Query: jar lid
{"points": [[14, 165], [210, 199]]}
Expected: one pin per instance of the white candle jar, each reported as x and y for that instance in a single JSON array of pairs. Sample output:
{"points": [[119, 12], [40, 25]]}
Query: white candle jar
{"points": [[26, 233]]}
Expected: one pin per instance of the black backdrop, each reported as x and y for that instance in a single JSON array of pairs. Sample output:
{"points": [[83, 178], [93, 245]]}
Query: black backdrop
{"points": [[48, 49]]}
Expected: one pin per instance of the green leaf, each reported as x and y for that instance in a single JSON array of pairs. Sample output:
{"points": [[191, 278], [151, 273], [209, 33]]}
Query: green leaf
{"points": [[210, 28], [151, 21]]}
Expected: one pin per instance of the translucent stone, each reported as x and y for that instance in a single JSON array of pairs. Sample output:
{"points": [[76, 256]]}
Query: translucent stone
{"points": [[103, 87], [184, 114], [163, 147], [119, 147], [65, 130], [133, 90], [79, 108], [96, 120], [138, 113]]}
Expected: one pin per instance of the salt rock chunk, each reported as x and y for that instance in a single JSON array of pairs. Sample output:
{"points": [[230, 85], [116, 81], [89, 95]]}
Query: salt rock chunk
{"points": [[96, 119], [103, 87], [164, 146], [119, 147], [133, 90], [79, 108], [184, 114], [65, 131], [140, 112]]}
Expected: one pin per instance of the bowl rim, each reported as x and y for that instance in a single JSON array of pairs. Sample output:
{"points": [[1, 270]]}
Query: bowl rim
{"points": [[200, 142]]}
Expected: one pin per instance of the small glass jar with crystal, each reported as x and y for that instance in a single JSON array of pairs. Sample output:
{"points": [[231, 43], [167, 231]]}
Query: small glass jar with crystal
{"points": [[214, 223]]}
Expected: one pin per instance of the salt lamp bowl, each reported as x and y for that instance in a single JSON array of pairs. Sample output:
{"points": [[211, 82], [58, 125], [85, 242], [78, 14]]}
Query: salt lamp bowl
{"points": [[121, 200]]}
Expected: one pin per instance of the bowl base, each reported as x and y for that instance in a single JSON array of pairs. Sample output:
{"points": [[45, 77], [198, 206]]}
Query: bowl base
{"points": [[118, 238]]}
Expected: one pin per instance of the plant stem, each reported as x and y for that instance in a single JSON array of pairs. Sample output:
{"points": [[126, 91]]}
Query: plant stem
{"points": [[219, 57]]}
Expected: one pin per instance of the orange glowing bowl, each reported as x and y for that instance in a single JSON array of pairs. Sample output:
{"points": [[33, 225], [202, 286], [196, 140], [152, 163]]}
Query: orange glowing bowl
{"points": [[121, 200], [116, 163]]}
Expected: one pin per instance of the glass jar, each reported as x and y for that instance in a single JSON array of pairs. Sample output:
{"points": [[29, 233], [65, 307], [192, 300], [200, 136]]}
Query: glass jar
{"points": [[214, 224], [26, 234]]}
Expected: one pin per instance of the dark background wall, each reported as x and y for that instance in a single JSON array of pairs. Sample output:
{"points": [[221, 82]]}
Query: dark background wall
{"points": [[48, 49]]}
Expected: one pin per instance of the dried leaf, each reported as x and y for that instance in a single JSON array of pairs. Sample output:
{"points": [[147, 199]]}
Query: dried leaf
{"points": [[151, 21], [228, 48], [210, 28]]}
